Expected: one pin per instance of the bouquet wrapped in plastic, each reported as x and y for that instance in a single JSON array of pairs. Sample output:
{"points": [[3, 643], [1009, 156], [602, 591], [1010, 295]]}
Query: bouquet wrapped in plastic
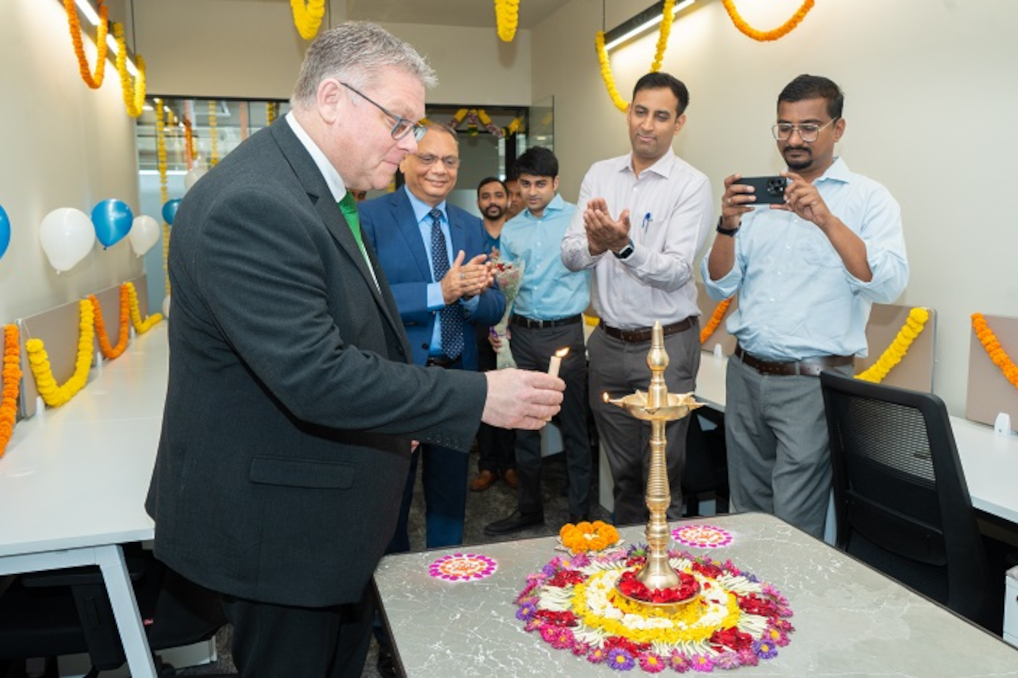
{"points": [[509, 276]]}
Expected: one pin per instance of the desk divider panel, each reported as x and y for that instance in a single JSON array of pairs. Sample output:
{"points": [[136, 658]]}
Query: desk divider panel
{"points": [[59, 329], [915, 371], [989, 392], [720, 335]]}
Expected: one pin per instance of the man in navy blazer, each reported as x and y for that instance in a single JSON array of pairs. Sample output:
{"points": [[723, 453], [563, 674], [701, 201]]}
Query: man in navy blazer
{"points": [[440, 309]]}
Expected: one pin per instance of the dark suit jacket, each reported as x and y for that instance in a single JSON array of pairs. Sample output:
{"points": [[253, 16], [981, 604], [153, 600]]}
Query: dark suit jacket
{"points": [[390, 224], [290, 406]]}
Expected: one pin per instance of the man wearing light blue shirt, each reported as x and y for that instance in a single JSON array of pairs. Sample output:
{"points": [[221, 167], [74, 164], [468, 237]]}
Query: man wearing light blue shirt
{"points": [[547, 317], [807, 272]]}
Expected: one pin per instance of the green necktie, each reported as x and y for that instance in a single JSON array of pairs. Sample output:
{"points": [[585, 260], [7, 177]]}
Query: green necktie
{"points": [[348, 206]]}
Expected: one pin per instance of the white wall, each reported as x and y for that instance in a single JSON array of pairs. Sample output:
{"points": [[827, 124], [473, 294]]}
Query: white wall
{"points": [[64, 145], [930, 93]]}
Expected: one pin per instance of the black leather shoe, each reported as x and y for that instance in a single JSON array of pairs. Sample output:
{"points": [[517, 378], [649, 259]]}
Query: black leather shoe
{"points": [[514, 523], [386, 662], [577, 519]]}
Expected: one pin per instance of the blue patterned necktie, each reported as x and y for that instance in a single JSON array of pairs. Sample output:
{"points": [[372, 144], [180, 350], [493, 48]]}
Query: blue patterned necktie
{"points": [[452, 320]]}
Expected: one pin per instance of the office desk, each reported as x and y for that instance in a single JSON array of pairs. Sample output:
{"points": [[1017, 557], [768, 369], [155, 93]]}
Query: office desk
{"points": [[73, 481], [849, 619]]}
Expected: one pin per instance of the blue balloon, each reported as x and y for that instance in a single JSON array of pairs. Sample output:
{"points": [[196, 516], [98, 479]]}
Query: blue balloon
{"points": [[5, 232], [112, 220], [170, 210]]}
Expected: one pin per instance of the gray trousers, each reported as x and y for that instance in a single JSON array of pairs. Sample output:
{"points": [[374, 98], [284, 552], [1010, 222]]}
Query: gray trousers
{"points": [[532, 350], [618, 369], [779, 460]]}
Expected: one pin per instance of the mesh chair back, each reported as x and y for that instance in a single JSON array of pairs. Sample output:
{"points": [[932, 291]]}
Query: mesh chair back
{"points": [[901, 501]]}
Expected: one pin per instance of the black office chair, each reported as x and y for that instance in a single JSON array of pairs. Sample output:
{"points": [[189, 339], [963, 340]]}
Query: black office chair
{"points": [[900, 496], [61, 612]]}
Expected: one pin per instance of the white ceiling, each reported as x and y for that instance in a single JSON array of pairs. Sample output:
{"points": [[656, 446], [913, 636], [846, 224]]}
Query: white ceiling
{"points": [[447, 12]]}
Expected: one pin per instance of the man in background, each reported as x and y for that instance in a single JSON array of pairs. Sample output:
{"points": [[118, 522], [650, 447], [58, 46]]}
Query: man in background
{"points": [[516, 205], [644, 217], [807, 272]]}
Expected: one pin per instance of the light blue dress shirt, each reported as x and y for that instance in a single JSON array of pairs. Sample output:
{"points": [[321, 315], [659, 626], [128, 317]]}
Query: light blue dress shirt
{"points": [[435, 299], [549, 291], [796, 298]]}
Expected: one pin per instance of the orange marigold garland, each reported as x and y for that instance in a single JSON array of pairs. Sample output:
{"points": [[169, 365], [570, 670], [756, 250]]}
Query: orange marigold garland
{"points": [[993, 348], [12, 385], [110, 352], [94, 81], [52, 394], [134, 94], [585, 536], [763, 36], [140, 326], [715, 319]]}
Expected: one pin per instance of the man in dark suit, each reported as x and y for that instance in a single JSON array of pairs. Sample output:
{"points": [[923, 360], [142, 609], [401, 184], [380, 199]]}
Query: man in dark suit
{"points": [[291, 408], [433, 256]]}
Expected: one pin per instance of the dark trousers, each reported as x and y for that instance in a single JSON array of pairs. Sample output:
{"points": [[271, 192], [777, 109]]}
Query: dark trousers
{"points": [[532, 349], [278, 641], [495, 446]]}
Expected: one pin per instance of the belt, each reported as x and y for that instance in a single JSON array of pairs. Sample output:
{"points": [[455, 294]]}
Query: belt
{"points": [[641, 334], [440, 361], [807, 368], [541, 324]]}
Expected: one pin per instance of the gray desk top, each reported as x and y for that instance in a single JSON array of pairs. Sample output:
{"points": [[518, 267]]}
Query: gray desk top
{"points": [[849, 620]]}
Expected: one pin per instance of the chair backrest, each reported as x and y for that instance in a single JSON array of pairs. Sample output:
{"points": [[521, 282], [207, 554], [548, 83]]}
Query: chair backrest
{"points": [[900, 497]]}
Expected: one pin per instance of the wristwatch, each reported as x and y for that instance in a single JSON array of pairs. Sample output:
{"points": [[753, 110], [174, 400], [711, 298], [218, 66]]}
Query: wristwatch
{"points": [[730, 232], [625, 252]]}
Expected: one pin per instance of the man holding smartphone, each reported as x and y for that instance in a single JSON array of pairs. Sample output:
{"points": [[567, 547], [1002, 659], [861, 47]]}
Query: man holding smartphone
{"points": [[807, 271]]}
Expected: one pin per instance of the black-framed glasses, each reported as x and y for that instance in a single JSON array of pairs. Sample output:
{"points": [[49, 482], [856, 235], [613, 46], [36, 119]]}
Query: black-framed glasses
{"points": [[429, 159], [402, 127], [808, 132]]}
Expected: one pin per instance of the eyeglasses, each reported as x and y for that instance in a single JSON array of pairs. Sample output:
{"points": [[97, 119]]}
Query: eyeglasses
{"points": [[402, 127], [808, 132], [450, 161]]}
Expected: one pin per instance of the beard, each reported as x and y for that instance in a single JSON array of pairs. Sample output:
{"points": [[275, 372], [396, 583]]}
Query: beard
{"points": [[801, 164], [494, 212]]}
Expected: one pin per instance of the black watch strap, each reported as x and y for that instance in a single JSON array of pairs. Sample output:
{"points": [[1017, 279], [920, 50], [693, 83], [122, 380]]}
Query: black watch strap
{"points": [[730, 232]]}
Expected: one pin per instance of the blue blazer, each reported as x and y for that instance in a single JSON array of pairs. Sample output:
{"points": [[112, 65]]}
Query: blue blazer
{"points": [[390, 225]]}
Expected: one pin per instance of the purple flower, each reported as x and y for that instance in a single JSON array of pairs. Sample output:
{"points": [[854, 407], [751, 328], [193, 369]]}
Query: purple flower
{"points": [[678, 662], [765, 649], [652, 663], [752, 578], [701, 663], [727, 661], [581, 560], [549, 569], [619, 659], [526, 612], [596, 656]]}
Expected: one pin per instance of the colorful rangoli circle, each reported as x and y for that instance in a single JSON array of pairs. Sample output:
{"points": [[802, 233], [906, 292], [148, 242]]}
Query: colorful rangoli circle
{"points": [[702, 536], [462, 567]]}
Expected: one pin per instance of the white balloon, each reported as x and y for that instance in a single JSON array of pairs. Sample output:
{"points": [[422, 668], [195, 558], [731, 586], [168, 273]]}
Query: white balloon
{"points": [[66, 236], [192, 176], [144, 233], [166, 307]]}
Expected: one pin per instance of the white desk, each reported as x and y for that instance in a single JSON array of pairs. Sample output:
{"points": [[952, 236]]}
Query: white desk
{"points": [[73, 481]]}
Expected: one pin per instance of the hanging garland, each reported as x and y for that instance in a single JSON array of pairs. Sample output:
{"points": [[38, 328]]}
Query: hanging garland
{"points": [[134, 95], [102, 49], [763, 36], [909, 332], [271, 111], [507, 18], [164, 191], [993, 348], [12, 385], [606, 68], [110, 352], [307, 17], [189, 154], [140, 326], [52, 394], [715, 319], [213, 135]]}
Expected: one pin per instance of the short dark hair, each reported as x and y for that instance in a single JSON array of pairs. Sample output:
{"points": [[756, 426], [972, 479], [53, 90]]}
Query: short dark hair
{"points": [[538, 161], [814, 87], [490, 180], [661, 80]]}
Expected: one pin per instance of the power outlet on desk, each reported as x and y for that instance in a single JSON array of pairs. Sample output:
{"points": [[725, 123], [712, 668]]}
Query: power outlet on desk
{"points": [[1011, 606]]}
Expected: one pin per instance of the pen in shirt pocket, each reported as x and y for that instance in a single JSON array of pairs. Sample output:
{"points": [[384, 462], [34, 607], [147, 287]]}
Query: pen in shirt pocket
{"points": [[646, 220]]}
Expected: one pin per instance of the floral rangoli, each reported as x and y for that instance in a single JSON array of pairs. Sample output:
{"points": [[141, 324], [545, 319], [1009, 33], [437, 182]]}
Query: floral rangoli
{"points": [[462, 567], [702, 536]]}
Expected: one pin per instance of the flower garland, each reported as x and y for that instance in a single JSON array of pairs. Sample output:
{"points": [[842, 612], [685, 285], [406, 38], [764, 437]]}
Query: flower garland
{"points": [[736, 620], [134, 95], [715, 319], [213, 135], [189, 154], [110, 352], [659, 55], [271, 111], [763, 36], [584, 536], [993, 348], [908, 333], [507, 18], [38, 360], [140, 326], [307, 18], [102, 49], [164, 191], [12, 385]]}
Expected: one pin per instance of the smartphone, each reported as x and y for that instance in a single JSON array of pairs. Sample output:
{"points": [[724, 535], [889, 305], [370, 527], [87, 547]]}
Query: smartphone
{"points": [[769, 190]]}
